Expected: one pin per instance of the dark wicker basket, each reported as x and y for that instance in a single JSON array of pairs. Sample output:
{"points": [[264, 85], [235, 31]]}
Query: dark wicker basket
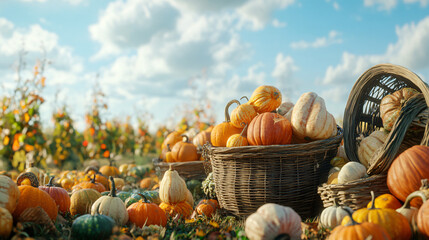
{"points": [[187, 170], [362, 115], [248, 177], [356, 194]]}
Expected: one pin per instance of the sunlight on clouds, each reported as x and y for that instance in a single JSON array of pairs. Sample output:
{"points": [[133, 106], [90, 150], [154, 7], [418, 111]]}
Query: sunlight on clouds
{"points": [[381, 4], [284, 74], [423, 3], [276, 23], [332, 38]]}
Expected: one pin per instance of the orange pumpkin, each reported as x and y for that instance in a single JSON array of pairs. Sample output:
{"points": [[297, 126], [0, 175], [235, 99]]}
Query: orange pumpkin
{"points": [[32, 196], [221, 132], [423, 219], [184, 151], [359, 231], [9, 193], [238, 140], [99, 178], [202, 138], [405, 174], [146, 183], [109, 170], [182, 208], [266, 98], [90, 184], [269, 129], [207, 207], [386, 201], [243, 114], [60, 196], [171, 139], [391, 105], [144, 213]]}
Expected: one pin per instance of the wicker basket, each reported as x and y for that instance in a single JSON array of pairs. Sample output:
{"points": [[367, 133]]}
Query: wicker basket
{"points": [[187, 170], [362, 115], [354, 194], [248, 177]]}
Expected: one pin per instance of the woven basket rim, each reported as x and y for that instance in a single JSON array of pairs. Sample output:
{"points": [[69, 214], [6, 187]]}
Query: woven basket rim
{"points": [[161, 163], [354, 183]]}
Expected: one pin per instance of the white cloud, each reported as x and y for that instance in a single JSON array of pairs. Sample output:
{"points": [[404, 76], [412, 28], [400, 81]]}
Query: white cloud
{"points": [[283, 72], [199, 6], [423, 3], [276, 23], [332, 38], [381, 4], [336, 6], [411, 50], [257, 13]]}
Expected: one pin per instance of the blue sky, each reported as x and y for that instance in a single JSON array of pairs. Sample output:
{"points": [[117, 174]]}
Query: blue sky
{"points": [[147, 51]]}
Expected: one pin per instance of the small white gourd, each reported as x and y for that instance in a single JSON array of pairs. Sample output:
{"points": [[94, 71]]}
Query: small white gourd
{"points": [[351, 171]]}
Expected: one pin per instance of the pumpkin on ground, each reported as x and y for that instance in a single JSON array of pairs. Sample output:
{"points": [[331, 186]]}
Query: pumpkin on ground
{"points": [[242, 115], [90, 184], [405, 174], [393, 222], [310, 120], [391, 105], [184, 151], [172, 188], [60, 196], [221, 132], [271, 221], [423, 219], [145, 213], [183, 209], [9, 193], [369, 146], [351, 171], [359, 231], [333, 215], [266, 98], [32, 196], [91, 227], [99, 178], [147, 183], [109, 170], [385, 201], [6, 223], [207, 207], [111, 206], [269, 129], [81, 201]]}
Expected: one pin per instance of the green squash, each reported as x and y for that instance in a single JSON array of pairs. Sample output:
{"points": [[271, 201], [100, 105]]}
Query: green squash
{"points": [[196, 188], [92, 227], [138, 171], [151, 196], [123, 195], [105, 193]]}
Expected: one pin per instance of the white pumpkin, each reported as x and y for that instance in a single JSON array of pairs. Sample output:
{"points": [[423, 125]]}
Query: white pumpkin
{"points": [[351, 171], [310, 119], [272, 220], [172, 188], [333, 215], [284, 108], [342, 153], [369, 146]]}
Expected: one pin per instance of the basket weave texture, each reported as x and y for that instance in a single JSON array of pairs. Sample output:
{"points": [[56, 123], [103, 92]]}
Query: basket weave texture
{"points": [[362, 114], [248, 177], [187, 170]]}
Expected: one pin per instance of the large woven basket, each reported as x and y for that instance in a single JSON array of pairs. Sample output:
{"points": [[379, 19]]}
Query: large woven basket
{"points": [[248, 177], [362, 114], [187, 170]]}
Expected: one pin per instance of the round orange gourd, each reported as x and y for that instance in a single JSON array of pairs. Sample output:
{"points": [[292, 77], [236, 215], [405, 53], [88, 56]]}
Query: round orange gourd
{"points": [[32, 196], [393, 222], [99, 178], [405, 174], [391, 105], [266, 98], [90, 184], [144, 213], [9, 193], [182, 208], [60, 196], [171, 139], [242, 115], [184, 151], [109, 170], [310, 120], [385, 201], [238, 140], [269, 129], [221, 132]]}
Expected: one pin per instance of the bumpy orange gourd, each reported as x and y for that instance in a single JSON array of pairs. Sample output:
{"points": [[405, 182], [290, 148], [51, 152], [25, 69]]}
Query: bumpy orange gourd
{"points": [[269, 129], [390, 106], [32, 196], [184, 151], [60, 196], [9, 193], [310, 120], [221, 132], [181, 208], [405, 174], [266, 98], [243, 114], [393, 222]]}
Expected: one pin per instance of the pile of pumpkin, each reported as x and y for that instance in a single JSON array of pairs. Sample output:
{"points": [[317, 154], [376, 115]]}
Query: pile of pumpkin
{"points": [[95, 210]]}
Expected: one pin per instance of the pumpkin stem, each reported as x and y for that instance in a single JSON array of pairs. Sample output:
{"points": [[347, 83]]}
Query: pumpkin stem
{"points": [[50, 184], [244, 129], [144, 198], [113, 188], [407, 203], [245, 98], [283, 236], [168, 147], [425, 184], [30, 176], [93, 179], [276, 94], [227, 118], [353, 222], [372, 200], [336, 204], [186, 138]]}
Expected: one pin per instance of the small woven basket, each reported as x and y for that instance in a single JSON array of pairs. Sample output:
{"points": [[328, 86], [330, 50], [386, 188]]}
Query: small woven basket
{"points": [[187, 170], [248, 177]]}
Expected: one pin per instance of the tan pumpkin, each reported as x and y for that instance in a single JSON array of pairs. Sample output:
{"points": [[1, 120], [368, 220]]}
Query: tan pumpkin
{"points": [[310, 120], [111, 206], [81, 201], [273, 220], [172, 188], [351, 171], [6, 223], [221, 132], [189, 198], [284, 108], [266, 98], [242, 115], [202, 138], [9, 193], [184, 151], [391, 105], [369, 146]]}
